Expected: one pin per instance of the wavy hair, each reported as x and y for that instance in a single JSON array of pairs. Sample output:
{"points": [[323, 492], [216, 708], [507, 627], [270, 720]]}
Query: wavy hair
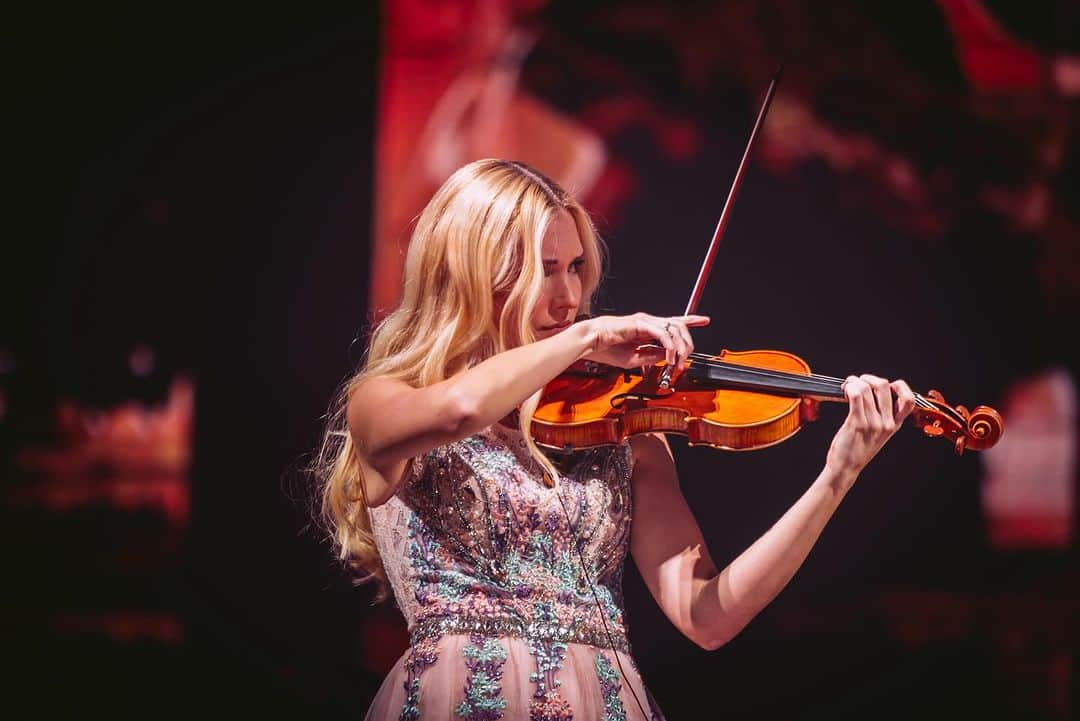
{"points": [[473, 275]]}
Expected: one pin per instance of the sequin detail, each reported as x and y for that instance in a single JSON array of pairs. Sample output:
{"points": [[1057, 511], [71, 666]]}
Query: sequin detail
{"points": [[484, 658], [475, 545], [516, 628], [483, 542], [421, 656], [609, 688], [547, 703]]}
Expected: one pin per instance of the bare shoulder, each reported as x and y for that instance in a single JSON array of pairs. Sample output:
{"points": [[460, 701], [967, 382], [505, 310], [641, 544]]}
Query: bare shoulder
{"points": [[392, 421], [370, 395], [371, 402]]}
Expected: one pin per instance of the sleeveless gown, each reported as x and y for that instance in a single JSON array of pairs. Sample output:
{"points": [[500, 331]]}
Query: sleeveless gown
{"points": [[485, 563]]}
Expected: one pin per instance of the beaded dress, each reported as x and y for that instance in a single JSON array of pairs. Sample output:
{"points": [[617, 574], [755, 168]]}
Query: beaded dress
{"points": [[482, 561]]}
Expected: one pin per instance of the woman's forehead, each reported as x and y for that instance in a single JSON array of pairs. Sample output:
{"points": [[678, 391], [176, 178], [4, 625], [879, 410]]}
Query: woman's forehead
{"points": [[561, 239]]}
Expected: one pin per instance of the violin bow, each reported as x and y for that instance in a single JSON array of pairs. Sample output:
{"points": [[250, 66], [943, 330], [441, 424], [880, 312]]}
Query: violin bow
{"points": [[721, 225], [983, 426]]}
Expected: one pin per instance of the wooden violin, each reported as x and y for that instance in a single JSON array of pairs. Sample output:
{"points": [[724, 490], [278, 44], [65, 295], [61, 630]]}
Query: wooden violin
{"points": [[734, 400]]}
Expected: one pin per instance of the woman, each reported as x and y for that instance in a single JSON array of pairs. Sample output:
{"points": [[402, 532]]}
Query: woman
{"points": [[507, 562]]}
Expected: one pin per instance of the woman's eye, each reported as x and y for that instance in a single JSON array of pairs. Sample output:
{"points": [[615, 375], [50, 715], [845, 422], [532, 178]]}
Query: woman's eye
{"points": [[574, 267]]}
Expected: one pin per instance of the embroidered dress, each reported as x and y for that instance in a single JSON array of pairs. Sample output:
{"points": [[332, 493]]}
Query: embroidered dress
{"points": [[485, 562]]}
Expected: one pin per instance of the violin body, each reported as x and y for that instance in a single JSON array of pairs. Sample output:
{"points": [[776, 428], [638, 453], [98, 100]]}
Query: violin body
{"points": [[593, 405], [733, 401]]}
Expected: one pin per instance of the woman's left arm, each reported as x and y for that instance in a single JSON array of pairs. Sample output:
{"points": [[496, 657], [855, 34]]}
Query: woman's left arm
{"points": [[711, 607]]}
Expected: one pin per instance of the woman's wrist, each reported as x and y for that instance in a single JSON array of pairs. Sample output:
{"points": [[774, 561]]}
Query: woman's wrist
{"points": [[838, 479], [585, 337]]}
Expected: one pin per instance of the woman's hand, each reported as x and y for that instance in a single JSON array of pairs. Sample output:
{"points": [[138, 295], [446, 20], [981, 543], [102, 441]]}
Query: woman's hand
{"points": [[631, 341], [871, 421]]}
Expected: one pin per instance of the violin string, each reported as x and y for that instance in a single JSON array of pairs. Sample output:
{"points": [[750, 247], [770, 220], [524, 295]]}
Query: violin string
{"points": [[829, 382], [825, 385], [709, 360], [712, 362]]}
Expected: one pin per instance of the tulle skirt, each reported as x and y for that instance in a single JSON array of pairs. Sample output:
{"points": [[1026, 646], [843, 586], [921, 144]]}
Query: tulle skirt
{"points": [[468, 677]]}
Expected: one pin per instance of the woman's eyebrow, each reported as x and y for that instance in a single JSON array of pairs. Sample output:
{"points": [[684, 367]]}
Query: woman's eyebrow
{"points": [[553, 261]]}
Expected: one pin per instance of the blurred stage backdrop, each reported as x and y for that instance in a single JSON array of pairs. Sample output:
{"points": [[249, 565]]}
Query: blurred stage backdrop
{"points": [[210, 210]]}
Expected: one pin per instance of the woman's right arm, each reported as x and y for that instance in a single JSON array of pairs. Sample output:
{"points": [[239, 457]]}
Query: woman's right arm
{"points": [[391, 421]]}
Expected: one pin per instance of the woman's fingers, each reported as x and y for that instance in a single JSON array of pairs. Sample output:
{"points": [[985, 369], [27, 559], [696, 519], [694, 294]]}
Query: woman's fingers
{"points": [[887, 413], [648, 339], [883, 403], [671, 333], [670, 341], [676, 327], [688, 343], [871, 421], [684, 323], [659, 331], [859, 401], [694, 321], [905, 399], [679, 326]]}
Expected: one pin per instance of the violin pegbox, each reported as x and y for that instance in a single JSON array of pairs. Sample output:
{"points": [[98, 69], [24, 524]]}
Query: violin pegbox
{"points": [[968, 430]]}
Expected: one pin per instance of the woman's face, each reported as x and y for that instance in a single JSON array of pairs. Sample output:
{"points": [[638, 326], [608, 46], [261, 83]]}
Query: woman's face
{"points": [[563, 257]]}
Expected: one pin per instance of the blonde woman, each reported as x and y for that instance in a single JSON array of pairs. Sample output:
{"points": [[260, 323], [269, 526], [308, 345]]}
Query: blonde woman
{"points": [[511, 587]]}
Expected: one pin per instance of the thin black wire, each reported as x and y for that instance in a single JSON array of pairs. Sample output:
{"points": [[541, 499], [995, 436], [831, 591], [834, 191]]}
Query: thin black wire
{"points": [[596, 598]]}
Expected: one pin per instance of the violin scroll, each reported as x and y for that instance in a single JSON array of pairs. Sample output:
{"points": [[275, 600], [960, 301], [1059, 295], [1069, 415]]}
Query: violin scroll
{"points": [[974, 430]]}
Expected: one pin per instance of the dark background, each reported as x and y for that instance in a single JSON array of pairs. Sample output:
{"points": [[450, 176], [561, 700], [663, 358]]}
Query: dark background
{"points": [[200, 182]]}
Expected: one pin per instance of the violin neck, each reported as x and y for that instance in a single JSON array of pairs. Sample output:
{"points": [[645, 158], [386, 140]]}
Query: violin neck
{"points": [[732, 376]]}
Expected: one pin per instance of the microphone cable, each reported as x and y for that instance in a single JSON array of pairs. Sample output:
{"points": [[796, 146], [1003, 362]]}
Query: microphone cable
{"points": [[599, 606]]}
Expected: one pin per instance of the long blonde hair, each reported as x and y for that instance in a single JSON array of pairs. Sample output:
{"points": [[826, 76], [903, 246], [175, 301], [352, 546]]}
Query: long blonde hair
{"points": [[476, 248]]}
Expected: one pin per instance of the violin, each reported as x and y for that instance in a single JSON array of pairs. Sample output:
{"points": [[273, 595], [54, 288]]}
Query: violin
{"points": [[734, 400]]}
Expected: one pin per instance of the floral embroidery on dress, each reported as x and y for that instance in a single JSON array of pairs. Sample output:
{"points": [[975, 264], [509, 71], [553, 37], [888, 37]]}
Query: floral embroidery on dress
{"points": [[609, 687], [477, 546], [488, 541], [547, 704], [484, 658], [421, 656]]}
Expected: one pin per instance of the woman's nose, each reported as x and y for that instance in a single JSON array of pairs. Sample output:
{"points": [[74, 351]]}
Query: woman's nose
{"points": [[565, 295]]}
